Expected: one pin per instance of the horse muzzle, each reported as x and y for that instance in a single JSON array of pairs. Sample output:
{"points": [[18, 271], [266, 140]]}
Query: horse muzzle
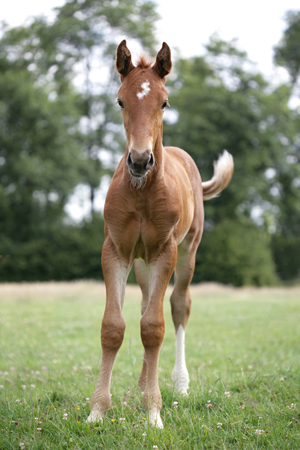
{"points": [[140, 162]]}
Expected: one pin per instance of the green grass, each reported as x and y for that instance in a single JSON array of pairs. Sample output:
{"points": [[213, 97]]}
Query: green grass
{"points": [[242, 341]]}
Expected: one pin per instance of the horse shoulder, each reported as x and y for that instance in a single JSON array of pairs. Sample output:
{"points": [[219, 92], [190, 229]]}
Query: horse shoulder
{"points": [[122, 221]]}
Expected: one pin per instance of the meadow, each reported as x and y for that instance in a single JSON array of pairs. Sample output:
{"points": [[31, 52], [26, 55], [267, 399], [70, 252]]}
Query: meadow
{"points": [[242, 349]]}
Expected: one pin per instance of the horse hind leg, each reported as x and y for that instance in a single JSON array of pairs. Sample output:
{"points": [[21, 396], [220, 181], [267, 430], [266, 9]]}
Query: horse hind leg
{"points": [[153, 329], [181, 307], [142, 276]]}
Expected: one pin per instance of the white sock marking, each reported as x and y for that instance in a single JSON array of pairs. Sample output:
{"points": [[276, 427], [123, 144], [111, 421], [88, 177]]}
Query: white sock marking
{"points": [[180, 375], [146, 89], [95, 416], [155, 419]]}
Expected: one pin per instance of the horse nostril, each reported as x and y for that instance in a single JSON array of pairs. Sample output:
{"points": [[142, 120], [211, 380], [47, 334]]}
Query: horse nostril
{"points": [[150, 162], [130, 162]]}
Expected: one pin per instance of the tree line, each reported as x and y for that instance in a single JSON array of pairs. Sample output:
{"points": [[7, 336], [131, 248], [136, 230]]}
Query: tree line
{"points": [[58, 117]]}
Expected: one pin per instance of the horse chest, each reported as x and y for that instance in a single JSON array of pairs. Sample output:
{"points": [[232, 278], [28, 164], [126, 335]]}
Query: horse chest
{"points": [[143, 229]]}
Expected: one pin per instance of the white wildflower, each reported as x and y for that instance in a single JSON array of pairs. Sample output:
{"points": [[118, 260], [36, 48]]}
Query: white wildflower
{"points": [[259, 432]]}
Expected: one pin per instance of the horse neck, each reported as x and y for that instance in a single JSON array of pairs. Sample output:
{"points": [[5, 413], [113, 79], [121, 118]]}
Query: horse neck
{"points": [[159, 154]]}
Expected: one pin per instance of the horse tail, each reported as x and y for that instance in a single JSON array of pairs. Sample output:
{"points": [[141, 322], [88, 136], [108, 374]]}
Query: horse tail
{"points": [[223, 170]]}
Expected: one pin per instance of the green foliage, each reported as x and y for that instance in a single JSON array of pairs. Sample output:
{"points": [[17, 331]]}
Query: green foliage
{"points": [[236, 254], [40, 159], [81, 40], [287, 52], [79, 28], [221, 103], [56, 123], [60, 253], [286, 251], [53, 129], [244, 342]]}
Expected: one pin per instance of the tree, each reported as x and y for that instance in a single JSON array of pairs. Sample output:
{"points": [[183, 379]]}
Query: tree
{"points": [[287, 52], [81, 42], [235, 253], [221, 103], [52, 131], [40, 159]]}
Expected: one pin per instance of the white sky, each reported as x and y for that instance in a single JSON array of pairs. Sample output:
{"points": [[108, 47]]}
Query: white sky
{"points": [[258, 24], [187, 26]]}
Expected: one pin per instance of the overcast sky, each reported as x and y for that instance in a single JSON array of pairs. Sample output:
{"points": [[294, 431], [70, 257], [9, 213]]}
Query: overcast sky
{"points": [[187, 25]]}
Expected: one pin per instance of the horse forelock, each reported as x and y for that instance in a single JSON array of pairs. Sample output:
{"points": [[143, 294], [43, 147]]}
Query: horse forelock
{"points": [[144, 62]]}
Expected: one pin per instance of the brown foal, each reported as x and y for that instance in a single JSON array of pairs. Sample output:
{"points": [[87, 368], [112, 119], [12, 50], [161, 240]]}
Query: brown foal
{"points": [[154, 219]]}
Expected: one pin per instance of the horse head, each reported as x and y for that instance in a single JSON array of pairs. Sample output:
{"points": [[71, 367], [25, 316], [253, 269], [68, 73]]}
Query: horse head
{"points": [[143, 98]]}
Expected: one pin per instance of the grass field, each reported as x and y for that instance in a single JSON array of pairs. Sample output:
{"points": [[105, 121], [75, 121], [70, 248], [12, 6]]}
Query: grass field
{"points": [[243, 355]]}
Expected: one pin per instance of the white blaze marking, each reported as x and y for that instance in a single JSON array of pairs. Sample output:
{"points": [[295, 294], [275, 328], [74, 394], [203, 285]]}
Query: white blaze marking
{"points": [[146, 89], [180, 375]]}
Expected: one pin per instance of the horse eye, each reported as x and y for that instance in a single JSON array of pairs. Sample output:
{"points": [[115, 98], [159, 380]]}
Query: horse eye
{"points": [[166, 103], [120, 103]]}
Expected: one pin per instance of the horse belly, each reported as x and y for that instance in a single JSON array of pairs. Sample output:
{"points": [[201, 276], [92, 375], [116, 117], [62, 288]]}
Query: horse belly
{"points": [[184, 225]]}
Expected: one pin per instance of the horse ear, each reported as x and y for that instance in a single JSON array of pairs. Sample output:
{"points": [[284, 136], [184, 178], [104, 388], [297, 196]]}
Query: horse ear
{"points": [[123, 61], [163, 63]]}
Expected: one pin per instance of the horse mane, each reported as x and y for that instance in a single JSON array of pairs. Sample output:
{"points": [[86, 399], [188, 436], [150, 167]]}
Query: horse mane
{"points": [[144, 61]]}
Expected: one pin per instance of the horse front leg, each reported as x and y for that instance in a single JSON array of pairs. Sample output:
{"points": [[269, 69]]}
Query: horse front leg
{"points": [[181, 307], [115, 273], [153, 329]]}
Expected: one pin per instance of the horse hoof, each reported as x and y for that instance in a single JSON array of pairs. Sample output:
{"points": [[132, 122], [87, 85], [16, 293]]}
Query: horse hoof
{"points": [[155, 420], [95, 416]]}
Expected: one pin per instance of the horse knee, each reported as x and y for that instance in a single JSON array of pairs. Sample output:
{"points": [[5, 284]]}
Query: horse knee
{"points": [[152, 332], [112, 333]]}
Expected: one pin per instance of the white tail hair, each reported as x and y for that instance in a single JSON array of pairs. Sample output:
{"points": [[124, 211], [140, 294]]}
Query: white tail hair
{"points": [[223, 170]]}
